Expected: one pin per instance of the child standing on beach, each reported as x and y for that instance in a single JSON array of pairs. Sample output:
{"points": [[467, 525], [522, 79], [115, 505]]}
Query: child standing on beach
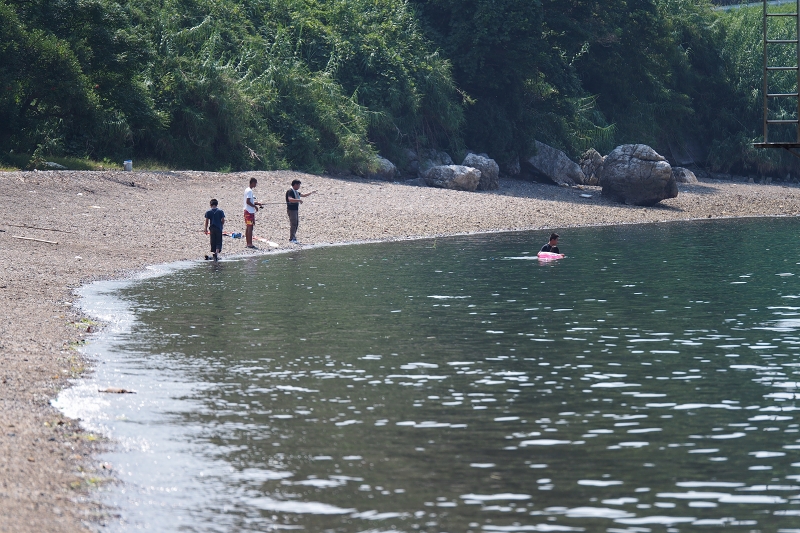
{"points": [[250, 208], [215, 219]]}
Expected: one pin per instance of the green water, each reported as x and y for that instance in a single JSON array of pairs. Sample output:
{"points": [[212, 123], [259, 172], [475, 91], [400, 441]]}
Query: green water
{"points": [[645, 383]]}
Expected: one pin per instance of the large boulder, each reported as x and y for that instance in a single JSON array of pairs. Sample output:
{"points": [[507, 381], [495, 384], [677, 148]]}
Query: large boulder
{"points": [[456, 177], [591, 164], [683, 175], [554, 165], [490, 171], [410, 162], [432, 158], [636, 174], [385, 171]]}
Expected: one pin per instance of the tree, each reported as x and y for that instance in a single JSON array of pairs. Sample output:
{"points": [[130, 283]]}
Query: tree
{"points": [[497, 51]]}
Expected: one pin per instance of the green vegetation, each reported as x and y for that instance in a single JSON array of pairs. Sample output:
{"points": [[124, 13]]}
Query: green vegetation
{"points": [[322, 85]]}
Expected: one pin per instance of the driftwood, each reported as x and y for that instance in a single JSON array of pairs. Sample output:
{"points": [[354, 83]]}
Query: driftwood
{"points": [[36, 227], [32, 239]]}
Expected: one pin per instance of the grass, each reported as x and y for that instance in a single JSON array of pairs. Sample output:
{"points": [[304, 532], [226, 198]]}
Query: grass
{"points": [[11, 162]]}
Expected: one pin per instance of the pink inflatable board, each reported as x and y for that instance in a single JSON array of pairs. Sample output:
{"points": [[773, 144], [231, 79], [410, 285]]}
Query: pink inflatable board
{"points": [[549, 256]]}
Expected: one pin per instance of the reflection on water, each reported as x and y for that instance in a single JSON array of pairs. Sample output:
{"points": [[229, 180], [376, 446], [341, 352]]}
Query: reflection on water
{"points": [[647, 382]]}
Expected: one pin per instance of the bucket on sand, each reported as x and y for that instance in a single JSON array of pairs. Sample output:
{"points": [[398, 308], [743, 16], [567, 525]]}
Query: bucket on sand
{"points": [[127, 165]]}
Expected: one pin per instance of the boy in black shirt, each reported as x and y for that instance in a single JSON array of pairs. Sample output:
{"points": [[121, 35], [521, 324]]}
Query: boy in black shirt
{"points": [[215, 219], [551, 246]]}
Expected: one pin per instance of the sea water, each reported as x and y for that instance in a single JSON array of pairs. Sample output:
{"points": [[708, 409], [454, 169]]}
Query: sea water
{"points": [[646, 382]]}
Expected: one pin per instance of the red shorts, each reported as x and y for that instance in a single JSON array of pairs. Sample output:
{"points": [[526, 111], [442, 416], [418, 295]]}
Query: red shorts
{"points": [[249, 218]]}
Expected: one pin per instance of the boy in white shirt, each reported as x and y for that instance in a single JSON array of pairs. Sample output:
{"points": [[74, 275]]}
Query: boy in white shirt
{"points": [[250, 208]]}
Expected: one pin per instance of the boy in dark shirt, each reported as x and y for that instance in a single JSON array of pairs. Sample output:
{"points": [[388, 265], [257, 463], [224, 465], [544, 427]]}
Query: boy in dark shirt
{"points": [[215, 219], [551, 246]]}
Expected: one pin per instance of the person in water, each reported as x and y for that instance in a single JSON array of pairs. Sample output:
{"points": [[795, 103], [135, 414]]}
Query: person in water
{"points": [[551, 246]]}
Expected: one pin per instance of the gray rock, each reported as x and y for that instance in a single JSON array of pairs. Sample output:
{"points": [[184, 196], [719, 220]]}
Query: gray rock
{"points": [[683, 175], [54, 166], [636, 174], [456, 177], [591, 164], [431, 158], [416, 182], [554, 165], [490, 171], [411, 165], [386, 171]]}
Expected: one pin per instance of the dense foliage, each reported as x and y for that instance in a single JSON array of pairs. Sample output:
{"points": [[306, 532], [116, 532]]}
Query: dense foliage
{"points": [[327, 84]]}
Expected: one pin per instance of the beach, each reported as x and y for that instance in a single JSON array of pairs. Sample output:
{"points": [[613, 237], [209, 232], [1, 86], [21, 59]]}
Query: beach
{"points": [[64, 229]]}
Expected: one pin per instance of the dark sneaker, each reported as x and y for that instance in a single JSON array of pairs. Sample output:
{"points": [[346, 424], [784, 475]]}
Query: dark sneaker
{"points": [[207, 258]]}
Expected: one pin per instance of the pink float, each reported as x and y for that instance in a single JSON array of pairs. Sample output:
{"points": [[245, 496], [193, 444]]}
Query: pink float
{"points": [[549, 256]]}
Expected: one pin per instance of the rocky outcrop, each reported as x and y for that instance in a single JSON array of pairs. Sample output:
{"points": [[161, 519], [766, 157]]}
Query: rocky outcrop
{"points": [[511, 168], [636, 174], [456, 177], [683, 175], [553, 165], [432, 158], [384, 171], [591, 164], [490, 171]]}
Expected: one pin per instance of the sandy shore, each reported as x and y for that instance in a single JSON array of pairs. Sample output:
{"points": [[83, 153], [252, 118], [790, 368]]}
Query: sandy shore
{"points": [[108, 224]]}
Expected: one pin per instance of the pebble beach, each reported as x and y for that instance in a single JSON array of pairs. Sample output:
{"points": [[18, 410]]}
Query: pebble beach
{"points": [[63, 229]]}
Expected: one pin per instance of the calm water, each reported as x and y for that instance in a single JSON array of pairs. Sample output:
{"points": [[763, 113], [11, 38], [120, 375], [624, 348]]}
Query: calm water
{"points": [[647, 382]]}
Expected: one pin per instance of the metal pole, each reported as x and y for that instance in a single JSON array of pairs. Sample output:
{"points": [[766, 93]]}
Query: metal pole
{"points": [[797, 33], [764, 28]]}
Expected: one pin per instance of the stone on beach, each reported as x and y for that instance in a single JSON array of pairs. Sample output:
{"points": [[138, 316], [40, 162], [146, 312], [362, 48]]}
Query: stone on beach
{"points": [[432, 158], [554, 165], [490, 172], [635, 174], [385, 171], [456, 177], [591, 164], [683, 175]]}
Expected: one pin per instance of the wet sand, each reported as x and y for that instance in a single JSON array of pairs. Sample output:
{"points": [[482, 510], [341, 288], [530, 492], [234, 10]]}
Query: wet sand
{"points": [[103, 225]]}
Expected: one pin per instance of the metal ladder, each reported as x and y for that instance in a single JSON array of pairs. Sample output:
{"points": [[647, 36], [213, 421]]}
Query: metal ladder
{"points": [[769, 69]]}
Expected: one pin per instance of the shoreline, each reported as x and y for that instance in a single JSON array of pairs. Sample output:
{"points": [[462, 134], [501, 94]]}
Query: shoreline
{"points": [[113, 225]]}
